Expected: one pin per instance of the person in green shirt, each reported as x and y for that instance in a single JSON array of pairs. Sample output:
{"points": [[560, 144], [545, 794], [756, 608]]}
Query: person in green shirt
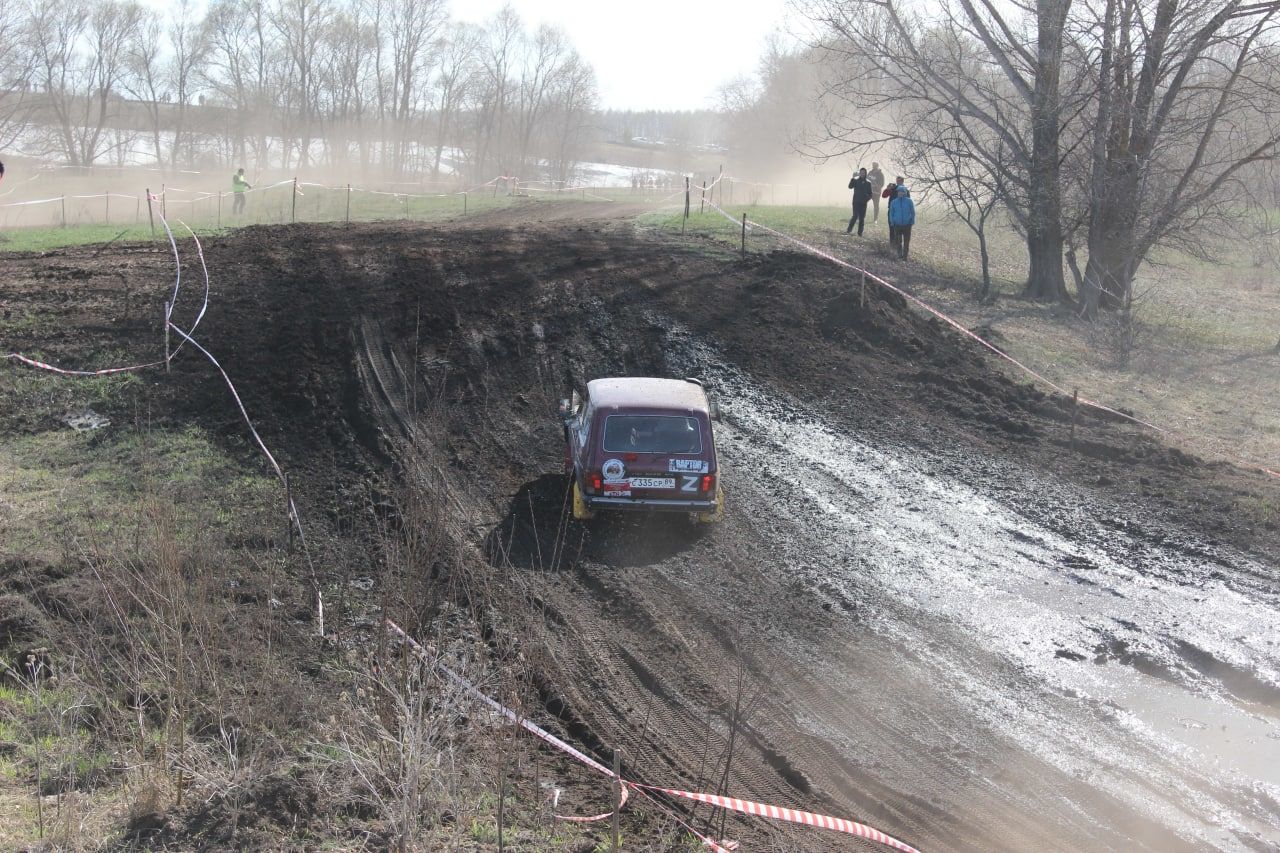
{"points": [[238, 186]]}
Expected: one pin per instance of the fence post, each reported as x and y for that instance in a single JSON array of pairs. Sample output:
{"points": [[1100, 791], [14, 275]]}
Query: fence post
{"points": [[702, 202], [1075, 412], [293, 215], [348, 216], [64, 210], [288, 508], [150, 214], [617, 802], [686, 204], [744, 236]]}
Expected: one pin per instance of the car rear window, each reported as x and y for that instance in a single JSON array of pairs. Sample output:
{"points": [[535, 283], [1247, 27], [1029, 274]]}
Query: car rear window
{"points": [[652, 434]]}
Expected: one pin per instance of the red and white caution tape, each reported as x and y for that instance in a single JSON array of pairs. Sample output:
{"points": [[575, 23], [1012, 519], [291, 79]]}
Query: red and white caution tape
{"points": [[821, 821], [835, 824], [31, 362]]}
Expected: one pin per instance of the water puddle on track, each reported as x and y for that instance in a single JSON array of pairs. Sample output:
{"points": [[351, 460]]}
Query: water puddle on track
{"points": [[1148, 672]]}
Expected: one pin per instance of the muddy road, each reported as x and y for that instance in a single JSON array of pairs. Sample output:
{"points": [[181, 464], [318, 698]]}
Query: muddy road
{"points": [[923, 610]]}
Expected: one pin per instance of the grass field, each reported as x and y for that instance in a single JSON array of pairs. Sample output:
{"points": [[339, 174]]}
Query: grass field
{"points": [[36, 232]]}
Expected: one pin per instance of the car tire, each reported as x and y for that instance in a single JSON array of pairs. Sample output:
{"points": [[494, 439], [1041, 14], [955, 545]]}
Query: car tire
{"points": [[717, 515], [580, 510]]}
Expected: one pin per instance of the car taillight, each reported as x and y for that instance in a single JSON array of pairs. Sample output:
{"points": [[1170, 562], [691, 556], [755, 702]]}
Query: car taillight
{"points": [[708, 482], [597, 483]]}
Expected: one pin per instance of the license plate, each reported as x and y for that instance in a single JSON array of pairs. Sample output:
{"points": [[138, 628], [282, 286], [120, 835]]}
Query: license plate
{"points": [[653, 483]]}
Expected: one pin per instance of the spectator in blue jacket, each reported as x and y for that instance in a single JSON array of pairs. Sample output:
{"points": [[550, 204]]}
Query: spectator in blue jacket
{"points": [[902, 215]]}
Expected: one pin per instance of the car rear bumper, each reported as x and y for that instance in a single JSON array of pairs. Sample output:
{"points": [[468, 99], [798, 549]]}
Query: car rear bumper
{"points": [[652, 504]]}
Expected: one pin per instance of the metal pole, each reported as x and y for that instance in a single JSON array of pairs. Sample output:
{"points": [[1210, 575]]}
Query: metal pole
{"points": [[294, 212], [150, 214], [702, 202], [744, 236]]}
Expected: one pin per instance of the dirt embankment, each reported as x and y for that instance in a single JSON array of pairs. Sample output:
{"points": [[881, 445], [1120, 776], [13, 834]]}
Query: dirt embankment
{"points": [[897, 621]]}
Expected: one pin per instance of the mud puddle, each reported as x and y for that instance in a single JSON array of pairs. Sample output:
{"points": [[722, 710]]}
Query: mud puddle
{"points": [[1134, 670]]}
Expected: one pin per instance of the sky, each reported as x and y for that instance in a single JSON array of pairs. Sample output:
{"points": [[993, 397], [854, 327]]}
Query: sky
{"points": [[654, 54]]}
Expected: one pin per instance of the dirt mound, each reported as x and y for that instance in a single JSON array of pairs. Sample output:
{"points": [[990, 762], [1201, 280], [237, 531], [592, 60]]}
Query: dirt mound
{"points": [[888, 490]]}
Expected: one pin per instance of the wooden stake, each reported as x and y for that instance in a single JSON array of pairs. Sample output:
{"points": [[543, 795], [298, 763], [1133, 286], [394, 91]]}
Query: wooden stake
{"points": [[348, 214], [617, 802], [64, 211], [293, 216], [702, 202], [1075, 413], [151, 216], [744, 236], [288, 509]]}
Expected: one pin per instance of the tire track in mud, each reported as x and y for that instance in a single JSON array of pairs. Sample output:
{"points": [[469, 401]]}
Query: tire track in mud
{"points": [[897, 537]]}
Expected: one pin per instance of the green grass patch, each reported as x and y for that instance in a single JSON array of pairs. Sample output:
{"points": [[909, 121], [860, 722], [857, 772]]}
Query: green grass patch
{"points": [[67, 487]]}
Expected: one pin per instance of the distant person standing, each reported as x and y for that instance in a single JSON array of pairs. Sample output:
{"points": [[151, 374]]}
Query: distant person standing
{"points": [[891, 193], [861, 195], [876, 177], [239, 184], [902, 215]]}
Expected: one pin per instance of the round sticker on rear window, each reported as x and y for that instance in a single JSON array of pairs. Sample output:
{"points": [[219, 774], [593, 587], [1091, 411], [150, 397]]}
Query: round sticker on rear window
{"points": [[613, 469]]}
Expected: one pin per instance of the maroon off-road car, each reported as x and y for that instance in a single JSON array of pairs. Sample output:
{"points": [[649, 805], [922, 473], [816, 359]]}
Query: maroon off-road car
{"points": [[642, 444]]}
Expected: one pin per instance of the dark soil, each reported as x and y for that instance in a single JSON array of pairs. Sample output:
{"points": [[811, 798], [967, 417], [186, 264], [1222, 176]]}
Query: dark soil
{"points": [[363, 351]]}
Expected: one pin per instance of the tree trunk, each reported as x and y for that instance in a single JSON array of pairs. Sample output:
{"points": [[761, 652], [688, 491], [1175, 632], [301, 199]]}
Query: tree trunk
{"points": [[1045, 242]]}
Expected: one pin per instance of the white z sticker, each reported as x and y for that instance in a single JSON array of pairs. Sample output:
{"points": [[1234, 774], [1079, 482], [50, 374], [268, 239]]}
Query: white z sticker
{"points": [[690, 484]]}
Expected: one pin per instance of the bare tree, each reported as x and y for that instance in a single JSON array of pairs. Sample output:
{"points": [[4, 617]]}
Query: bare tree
{"points": [[300, 25], [17, 66], [1188, 99], [455, 81], [188, 49], [242, 71], [992, 74]]}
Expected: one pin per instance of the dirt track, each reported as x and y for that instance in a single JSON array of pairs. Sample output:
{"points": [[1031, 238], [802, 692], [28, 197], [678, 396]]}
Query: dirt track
{"points": [[940, 621]]}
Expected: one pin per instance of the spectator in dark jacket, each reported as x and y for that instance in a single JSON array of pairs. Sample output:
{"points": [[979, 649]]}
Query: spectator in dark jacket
{"points": [[861, 195]]}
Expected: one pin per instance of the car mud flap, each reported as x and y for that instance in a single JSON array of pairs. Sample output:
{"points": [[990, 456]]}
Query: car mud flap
{"points": [[717, 515], [580, 510]]}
